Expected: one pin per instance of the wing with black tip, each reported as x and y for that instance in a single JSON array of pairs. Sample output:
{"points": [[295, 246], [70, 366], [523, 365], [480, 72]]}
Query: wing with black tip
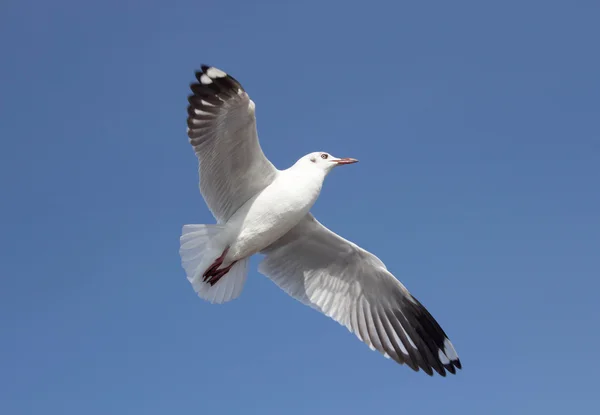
{"points": [[222, 130], [352, 286]]}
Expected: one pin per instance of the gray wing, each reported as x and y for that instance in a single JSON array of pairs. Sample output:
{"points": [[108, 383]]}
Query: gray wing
{"points": [[353, 287], [222, 130]]}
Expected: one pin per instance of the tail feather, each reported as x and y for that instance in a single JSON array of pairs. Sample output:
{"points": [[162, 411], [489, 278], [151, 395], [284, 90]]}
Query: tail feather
{"points": [[198, 253]]}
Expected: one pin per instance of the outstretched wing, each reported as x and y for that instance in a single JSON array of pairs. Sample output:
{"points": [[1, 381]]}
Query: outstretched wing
{"points": [[352, 286], [222, 130]]}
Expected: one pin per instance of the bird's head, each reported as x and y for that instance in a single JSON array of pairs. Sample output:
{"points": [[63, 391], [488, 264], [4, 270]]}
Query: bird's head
{"points": [[325, 161]]}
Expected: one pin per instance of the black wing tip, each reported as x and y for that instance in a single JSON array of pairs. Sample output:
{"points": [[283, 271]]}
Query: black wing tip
{"points": [[443, 371], [211, 91], [429, 348], [216, 80], [452, 362]]}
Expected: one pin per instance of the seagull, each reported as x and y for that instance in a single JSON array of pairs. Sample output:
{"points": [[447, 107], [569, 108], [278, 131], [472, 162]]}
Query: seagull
{"points": [[262, 210]]}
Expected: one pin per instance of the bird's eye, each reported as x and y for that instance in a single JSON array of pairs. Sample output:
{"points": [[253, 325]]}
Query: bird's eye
{"points": [[324, 156]]}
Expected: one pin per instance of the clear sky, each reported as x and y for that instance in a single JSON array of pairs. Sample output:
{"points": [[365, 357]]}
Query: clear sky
{"points": [[477, 126]]}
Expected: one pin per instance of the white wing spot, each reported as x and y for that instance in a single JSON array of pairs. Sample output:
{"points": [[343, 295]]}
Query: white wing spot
{"points": [[443, 357], [205, 79], [449, 350], [215, 73], [208, 104]]}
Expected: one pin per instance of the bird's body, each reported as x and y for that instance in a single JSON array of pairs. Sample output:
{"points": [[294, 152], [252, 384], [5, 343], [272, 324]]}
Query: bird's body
{"points": [[272, 212], [260, 209]]}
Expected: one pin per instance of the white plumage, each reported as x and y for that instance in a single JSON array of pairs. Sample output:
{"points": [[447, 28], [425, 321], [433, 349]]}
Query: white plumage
{"points": [[260, 209]]}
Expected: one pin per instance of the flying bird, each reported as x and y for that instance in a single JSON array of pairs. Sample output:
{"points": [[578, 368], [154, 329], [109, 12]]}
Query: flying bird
{"points": [[262, 210]]}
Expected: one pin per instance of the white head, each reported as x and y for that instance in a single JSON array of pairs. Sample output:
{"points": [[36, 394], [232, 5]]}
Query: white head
{"points": [[324, 161]]}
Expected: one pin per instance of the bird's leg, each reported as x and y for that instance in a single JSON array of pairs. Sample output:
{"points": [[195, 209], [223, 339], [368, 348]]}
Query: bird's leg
{"points": [[215, 265], [213, 279]]}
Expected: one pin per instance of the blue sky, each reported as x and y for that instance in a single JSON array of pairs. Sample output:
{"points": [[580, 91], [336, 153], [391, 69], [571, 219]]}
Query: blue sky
{"points": [[477, 129]]}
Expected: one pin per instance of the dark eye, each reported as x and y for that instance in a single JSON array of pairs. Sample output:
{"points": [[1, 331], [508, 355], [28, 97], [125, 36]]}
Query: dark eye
{"points": [[324, 156]]}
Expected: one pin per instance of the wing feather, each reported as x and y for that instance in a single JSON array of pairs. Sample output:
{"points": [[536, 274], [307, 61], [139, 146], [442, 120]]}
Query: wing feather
{"points": [[222, 129], [353, 287]]}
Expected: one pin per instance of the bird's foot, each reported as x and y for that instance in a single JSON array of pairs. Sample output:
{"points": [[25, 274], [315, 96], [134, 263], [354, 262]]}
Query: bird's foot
{"points": [[213, 268], [214, 277], [213, 274]]}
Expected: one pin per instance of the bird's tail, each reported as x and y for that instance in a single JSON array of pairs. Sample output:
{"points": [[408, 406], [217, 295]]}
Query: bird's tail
{"points": [[198, 253]]}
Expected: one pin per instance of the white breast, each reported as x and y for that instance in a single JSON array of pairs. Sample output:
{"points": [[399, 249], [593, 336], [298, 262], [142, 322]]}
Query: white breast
{"points": [[272, 213]]}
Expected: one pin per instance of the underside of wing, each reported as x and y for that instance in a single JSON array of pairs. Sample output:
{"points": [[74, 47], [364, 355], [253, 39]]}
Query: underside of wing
{"points": [[222, 129], [353, 287]]}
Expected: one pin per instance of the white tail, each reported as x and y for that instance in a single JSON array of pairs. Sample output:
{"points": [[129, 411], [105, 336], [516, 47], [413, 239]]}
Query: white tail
{"points": [[197, 254]]}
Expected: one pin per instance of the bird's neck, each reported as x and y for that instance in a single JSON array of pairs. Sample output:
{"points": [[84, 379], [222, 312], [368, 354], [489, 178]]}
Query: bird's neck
{"points": [[305, 181]]}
